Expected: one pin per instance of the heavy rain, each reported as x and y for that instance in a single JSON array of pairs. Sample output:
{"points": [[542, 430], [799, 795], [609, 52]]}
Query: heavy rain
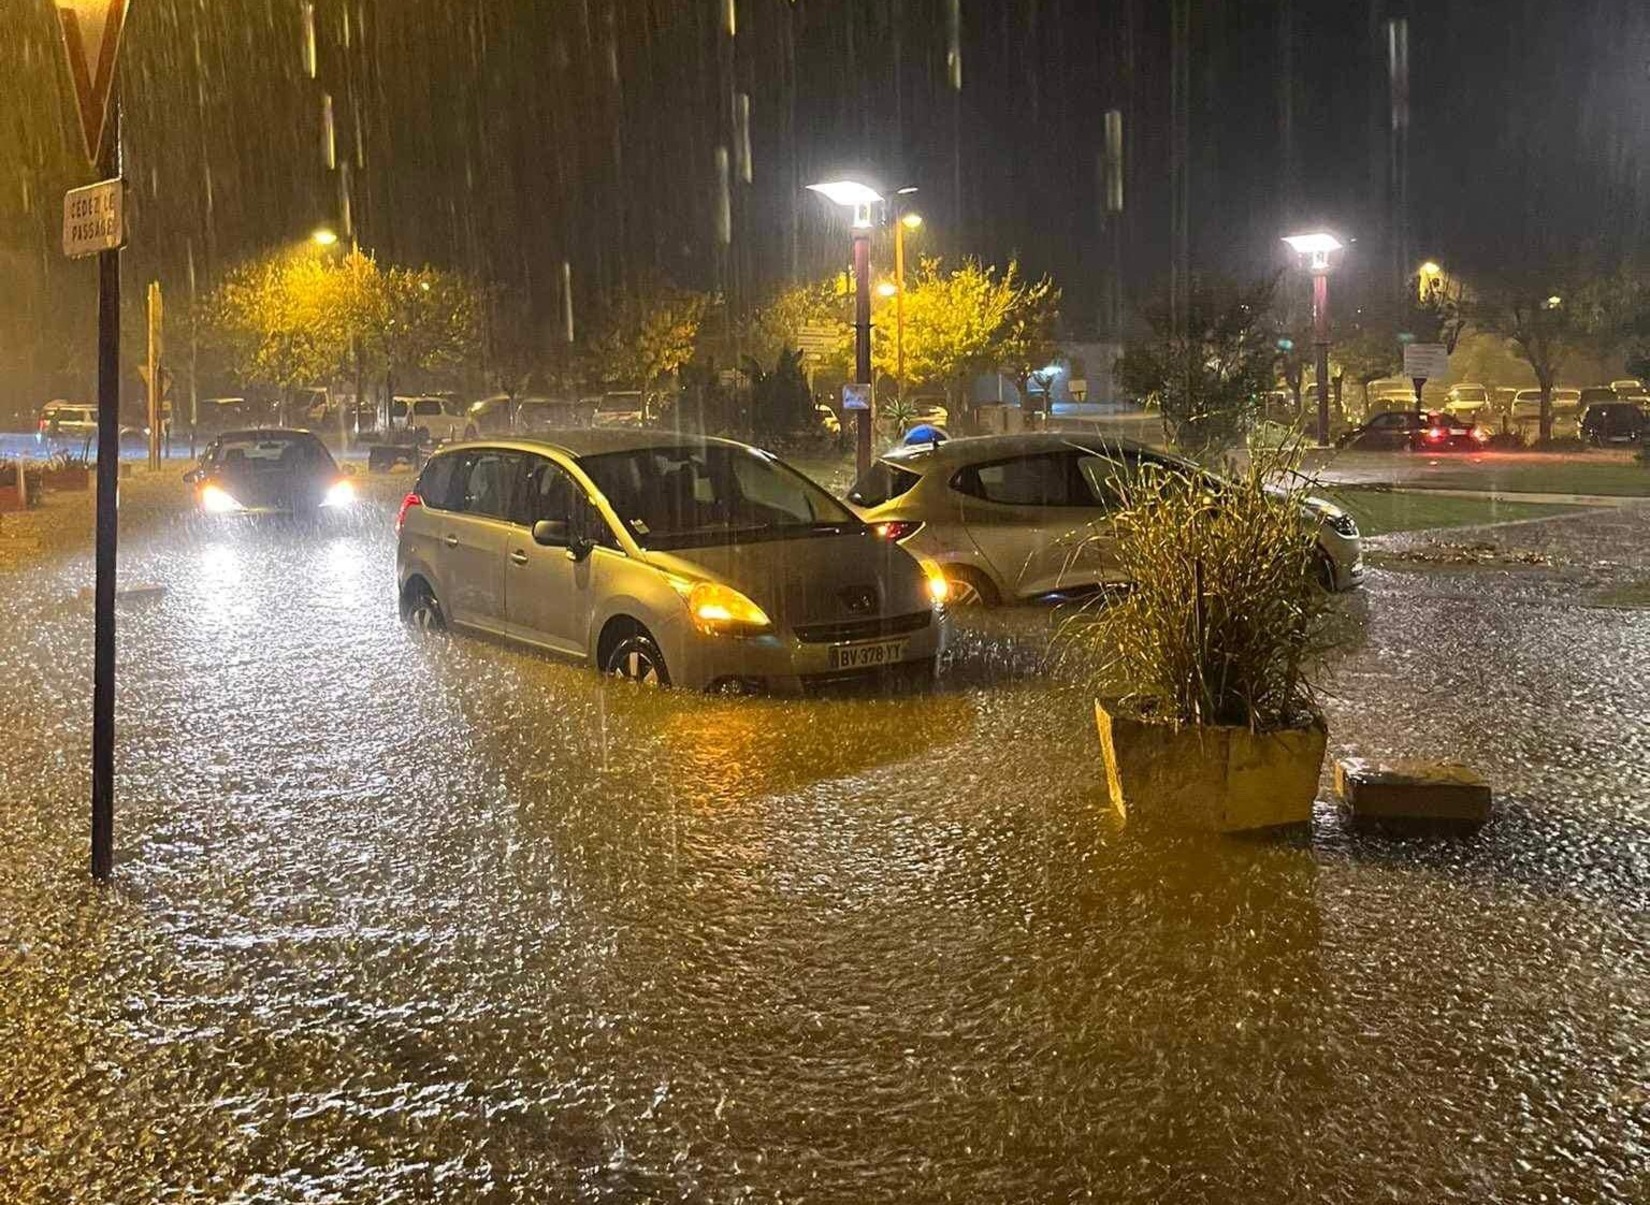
{"points": [[1232, 373]]}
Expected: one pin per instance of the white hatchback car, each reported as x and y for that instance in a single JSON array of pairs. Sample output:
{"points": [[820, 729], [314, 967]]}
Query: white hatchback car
{"points": [[1022, 517]]}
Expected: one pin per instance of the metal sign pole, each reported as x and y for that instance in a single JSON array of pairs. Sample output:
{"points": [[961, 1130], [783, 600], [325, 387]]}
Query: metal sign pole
{"points": [[108, 485]]}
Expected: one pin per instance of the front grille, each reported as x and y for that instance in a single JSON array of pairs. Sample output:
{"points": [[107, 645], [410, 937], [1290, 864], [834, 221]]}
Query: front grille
{"points": [[862, 629]]}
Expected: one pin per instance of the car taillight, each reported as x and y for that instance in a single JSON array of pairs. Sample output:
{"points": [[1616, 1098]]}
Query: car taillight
{"points": [[897, 529], [407, 503], [1437, 433]]}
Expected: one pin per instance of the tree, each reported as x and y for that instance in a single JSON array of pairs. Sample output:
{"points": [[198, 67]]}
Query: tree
{"points": [[958, 324], [297, 320], [1210, 370], [780, 401], [1029, 341], [283, 320], [647, 334], [781, 323], [1548, 322]]}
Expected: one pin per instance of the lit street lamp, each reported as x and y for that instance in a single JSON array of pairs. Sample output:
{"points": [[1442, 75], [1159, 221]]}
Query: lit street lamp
{"points": [[907, 221], [1317, 252], [1427, 279], [859, 199]]}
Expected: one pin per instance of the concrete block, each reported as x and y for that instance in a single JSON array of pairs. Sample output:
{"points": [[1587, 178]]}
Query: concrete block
{"points": [[1412, 791]]}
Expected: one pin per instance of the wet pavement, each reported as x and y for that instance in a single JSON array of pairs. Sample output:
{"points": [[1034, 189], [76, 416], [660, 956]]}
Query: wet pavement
{"points": [[416, 920]]}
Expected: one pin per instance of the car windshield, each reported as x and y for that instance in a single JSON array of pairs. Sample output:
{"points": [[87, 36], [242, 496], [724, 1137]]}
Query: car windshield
{"points": [[270, 451], [698, 495]]}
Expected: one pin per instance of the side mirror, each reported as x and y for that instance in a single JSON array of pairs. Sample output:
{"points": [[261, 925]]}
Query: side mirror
{"points": [[551, 533], [581, 532]]}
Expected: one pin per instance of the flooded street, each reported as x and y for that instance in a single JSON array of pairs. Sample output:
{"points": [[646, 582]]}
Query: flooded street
{"points": [[403, 919]]}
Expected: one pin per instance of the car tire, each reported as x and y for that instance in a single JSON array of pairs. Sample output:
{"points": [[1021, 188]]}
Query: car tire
{"points": [[421, 610], [636, 658], [1323, 571], [967, 587]]}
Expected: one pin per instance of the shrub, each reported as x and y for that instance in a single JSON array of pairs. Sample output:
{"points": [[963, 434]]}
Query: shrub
{"points": [[1225, 620]]}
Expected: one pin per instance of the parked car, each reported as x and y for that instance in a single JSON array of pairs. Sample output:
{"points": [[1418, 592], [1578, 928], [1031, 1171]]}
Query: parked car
{"points": [[1023, 517], [1525, 412], [664, 559], [827, 418], [432, 420], [1628, 387], [497, 415], [620, 409], [1613, 423], [929, 413], [65, 425], [1414, 431], [1468, 402], [268, 470]]}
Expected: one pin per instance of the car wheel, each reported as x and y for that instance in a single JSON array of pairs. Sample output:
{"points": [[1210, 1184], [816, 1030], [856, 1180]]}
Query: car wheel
{"points": [[968, 588], [636, 658], [421, 611], [1323, 569]]}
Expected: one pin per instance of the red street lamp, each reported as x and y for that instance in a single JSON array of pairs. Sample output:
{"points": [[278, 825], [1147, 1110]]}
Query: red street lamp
{"points": [[1317, 252]]}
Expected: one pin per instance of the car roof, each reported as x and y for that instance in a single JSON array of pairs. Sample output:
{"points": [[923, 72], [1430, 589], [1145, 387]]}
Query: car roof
{"points": [[595, 441], [977, 448], [265, 433]]}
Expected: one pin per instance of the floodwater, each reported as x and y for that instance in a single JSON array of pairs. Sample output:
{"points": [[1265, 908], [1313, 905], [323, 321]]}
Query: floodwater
{"points": [[409, 920]]}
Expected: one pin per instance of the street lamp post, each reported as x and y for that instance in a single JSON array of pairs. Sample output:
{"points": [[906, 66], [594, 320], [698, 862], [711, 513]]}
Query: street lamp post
{"points": [[907, 221], [859, 199], [1316, 252]]}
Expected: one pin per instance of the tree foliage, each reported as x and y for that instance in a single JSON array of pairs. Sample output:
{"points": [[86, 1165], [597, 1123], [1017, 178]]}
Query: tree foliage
{"points": [[646, 334], [965, 321], [1549, 320], [294, 320], [1210, 370]]}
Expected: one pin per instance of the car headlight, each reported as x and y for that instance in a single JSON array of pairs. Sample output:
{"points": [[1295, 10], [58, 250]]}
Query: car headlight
{"points": [[938, 588], [721, 609], [217, 501], [341, 493], [1342, 522]]}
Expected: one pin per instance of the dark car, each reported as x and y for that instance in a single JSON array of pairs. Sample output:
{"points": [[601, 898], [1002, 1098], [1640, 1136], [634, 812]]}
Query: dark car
{"points": [[268, 470], [1412, 430], [1613, 423]]}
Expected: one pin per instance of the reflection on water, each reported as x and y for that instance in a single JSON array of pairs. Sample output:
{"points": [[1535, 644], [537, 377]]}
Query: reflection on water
{"points": [[441, 919]]}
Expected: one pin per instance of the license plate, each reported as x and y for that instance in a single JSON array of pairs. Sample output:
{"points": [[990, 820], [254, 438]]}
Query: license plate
{"points": [[866, 656]]}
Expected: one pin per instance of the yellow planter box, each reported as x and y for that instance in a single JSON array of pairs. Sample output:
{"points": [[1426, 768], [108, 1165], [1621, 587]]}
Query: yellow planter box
{"points": [[1213, 779]]}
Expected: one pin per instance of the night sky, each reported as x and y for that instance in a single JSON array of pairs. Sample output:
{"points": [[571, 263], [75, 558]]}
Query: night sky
{"points": [[503, 136]]}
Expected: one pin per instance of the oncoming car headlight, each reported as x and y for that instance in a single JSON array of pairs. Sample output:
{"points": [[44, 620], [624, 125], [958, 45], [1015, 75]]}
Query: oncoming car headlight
{"points": [[722, 609], [340, 493], [217, 501]]}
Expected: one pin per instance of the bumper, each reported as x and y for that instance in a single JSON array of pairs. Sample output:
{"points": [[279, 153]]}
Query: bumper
{"points": [[779, 663]]}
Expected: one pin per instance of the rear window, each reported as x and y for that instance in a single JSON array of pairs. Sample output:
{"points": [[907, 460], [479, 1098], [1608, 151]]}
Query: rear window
{"points": [[882, 482]]}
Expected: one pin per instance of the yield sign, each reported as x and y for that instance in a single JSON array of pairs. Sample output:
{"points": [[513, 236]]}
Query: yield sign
{"points": [[91, 36]]}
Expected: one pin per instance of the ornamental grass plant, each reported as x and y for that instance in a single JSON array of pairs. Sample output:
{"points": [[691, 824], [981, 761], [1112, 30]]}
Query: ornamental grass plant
{"points": [[1226, 618]]}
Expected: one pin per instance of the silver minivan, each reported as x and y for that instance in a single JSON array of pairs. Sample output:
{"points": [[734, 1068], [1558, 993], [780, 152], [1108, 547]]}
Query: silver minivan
{"points": [[665, 559]]}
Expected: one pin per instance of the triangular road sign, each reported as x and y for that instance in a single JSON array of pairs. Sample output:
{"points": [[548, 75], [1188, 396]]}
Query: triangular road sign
{"points": [[91, 37]]}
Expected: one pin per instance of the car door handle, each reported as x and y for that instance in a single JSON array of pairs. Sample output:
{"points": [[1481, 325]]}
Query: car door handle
{"points": [[451, 541], [519, 556]]}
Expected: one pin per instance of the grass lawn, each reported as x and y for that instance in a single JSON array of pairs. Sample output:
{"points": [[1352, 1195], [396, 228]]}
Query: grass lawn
{"points": [[1615, 475], [1379, 511]]}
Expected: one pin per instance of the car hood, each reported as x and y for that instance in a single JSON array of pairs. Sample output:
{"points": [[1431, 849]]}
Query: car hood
{"points": [[255, 488], [814, 579]]}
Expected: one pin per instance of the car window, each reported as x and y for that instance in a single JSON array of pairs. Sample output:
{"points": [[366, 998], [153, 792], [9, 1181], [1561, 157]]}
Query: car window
{"points": [[882, 482], [1388, 420], [545, 492], [489, 478], [1102, 478], [688, 496], [435, 483], [426, 408], [1045, 479]]}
